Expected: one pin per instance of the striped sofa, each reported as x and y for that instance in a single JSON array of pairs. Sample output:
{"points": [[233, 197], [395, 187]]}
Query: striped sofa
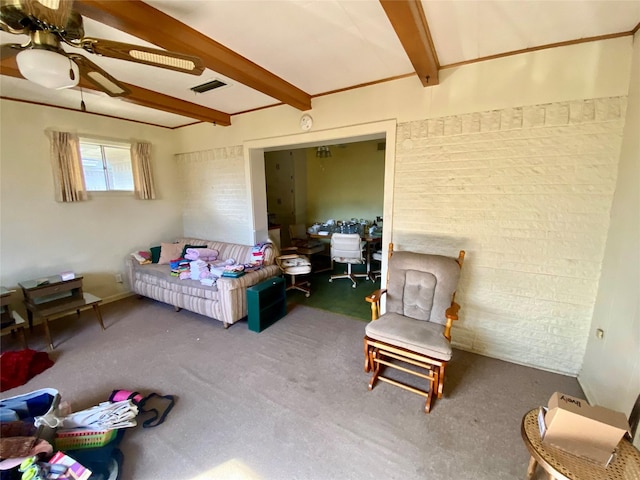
{"points": [[226, 301]]}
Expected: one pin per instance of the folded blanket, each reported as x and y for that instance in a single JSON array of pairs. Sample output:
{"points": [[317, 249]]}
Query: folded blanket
{"points": [[234, 268], [206, 254], [141, 259]]}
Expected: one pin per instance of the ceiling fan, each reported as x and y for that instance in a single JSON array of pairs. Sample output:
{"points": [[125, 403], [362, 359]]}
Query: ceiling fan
{"points": [[52, 23]]}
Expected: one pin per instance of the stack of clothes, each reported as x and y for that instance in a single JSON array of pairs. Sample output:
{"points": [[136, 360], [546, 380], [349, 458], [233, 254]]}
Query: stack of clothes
{"points": [[179, 266], [234, 271], [142, 257], [199, 263], [198, 269], [257, 253]]}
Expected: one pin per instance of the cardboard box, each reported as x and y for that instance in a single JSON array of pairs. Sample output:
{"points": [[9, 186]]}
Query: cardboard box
{"points": [[574, 426]]}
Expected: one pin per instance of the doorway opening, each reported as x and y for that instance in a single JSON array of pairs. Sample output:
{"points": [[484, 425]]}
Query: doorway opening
{"points": [[314, 186], [254, 154]]}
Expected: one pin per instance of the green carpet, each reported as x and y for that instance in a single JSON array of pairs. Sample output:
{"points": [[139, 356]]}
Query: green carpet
{"points": [[337, 296]]}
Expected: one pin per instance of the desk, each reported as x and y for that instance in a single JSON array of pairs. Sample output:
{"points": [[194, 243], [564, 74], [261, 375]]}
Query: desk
{"points": [[370, 240], [56, 297], [564, 466]]}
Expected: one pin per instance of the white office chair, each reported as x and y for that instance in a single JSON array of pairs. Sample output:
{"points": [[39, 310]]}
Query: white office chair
{"points": [[347, 248]]}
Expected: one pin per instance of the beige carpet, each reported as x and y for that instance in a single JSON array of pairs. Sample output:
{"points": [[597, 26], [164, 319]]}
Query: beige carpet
{"points": [[290, 402]]}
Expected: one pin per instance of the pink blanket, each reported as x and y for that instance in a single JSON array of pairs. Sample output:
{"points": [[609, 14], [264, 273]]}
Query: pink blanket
{"points": [[206, 254]]}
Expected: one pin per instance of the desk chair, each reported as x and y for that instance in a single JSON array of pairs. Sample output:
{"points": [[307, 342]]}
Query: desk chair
{"points": [[415, 330], [347, 248], [293, 265]]}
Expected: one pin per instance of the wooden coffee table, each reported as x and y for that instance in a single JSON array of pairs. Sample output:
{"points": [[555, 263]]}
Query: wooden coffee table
{"points": [[53, 297]]}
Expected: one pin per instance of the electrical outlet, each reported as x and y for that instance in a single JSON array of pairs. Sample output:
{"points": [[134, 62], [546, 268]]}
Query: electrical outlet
{"points": [[118, 278]]}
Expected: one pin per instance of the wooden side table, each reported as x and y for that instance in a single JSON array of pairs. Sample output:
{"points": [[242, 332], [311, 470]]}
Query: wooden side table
{"points": [[10, 321], [51, 296], [50, 291], [561, 465]]}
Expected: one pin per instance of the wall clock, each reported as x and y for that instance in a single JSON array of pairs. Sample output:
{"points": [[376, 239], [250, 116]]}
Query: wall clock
{"points": [[306, 122]]}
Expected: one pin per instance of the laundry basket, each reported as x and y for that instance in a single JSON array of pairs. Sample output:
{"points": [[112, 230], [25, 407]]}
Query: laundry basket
{"points": [[77, 438]]}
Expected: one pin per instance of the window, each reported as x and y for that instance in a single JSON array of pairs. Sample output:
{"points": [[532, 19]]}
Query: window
{"points": [[106, 165]]}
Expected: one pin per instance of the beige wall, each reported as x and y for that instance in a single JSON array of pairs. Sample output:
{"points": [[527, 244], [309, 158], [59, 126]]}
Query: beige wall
{"points": [[347, 185], [39, 236], [611, 371]]}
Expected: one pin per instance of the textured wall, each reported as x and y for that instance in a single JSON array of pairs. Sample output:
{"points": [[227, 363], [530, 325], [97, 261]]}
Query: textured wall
{"points": [[214, 189], [527, 192]]}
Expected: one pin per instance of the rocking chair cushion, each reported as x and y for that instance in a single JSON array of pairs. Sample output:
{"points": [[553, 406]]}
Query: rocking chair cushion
{"points": [[420, 286], [418, 336]]}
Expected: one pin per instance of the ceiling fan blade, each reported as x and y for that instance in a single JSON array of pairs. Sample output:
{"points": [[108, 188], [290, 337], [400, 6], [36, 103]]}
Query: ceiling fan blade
{"points": [[149, 56], [53, 13], [8, 50], [98, 76]]}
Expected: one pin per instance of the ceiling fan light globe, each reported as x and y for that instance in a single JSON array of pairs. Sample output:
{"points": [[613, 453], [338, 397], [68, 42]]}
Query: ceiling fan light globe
{"points": [[47, 68]]}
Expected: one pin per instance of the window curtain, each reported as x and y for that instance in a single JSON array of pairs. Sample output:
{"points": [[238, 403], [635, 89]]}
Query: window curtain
{"points": [[67, 167], [141, 168]]}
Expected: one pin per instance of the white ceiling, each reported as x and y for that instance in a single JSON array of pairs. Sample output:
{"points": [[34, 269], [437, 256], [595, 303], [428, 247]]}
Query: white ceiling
{"points": [[325, 45]]}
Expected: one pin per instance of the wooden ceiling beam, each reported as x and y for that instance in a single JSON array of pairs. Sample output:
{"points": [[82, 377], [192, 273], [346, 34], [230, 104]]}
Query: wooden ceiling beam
{"points": [[144, 98], [410, 23], [147, 23]]}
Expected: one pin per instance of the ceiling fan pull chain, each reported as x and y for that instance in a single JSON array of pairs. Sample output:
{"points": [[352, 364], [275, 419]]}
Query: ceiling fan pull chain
{"points": [[83, 107]]}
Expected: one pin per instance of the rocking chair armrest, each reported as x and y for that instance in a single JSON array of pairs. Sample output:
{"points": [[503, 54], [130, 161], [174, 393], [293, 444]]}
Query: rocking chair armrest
{"points": [[451, 314], [375, 296], [374, 300], [452, 311]]}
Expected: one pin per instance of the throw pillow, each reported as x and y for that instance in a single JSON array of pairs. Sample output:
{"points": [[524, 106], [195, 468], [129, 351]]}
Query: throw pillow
{"points": [[169, 251], [155, 254]]}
